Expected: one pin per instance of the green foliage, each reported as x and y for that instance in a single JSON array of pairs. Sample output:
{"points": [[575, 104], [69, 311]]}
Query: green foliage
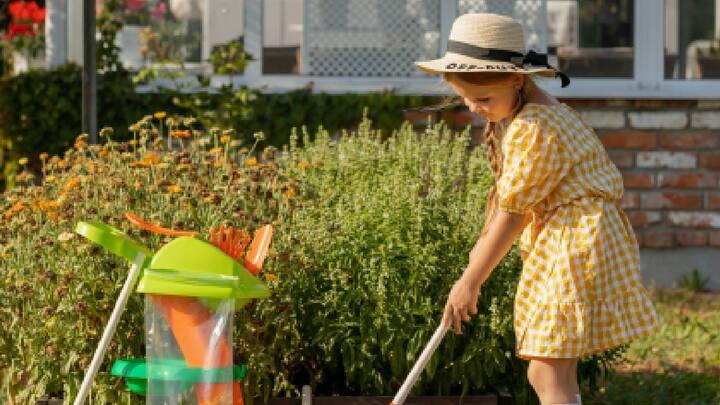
{"points": [[229, 58], [693, 282], [41, 110], [250, 111], [108, 25]]}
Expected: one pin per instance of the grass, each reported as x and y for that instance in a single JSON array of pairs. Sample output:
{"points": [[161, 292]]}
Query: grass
{"points": [[679, 364]]}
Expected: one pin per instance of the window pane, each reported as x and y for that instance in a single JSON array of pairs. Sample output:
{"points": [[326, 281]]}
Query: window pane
{"points": [[591, 38], [692, 44], [369, 38], [160, 31], [282, 36]]}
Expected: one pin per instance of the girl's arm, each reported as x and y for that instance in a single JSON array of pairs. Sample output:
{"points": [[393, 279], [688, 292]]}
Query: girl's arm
{"points": [[504, 228]]}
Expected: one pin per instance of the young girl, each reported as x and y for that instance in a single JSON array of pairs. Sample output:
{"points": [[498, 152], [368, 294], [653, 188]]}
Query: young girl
{"points": [[580, 290]]}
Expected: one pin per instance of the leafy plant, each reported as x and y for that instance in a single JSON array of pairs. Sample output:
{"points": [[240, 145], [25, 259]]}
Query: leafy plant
{"points": [[693, 282], [229, 58]]}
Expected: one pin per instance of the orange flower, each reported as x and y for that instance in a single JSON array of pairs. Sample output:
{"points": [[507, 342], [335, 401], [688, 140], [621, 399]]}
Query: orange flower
{"points": [[271, 277], [289, 193], [224, 139], [138, 184], [304, 165], [251, 162], [215, 150], [151, 158], [103, 153], [177, 133], [217, 163], [173, 188], [12, 211], [74, 182]]}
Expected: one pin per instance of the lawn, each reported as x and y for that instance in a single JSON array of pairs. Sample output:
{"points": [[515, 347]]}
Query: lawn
{"points": [[678, 365]]}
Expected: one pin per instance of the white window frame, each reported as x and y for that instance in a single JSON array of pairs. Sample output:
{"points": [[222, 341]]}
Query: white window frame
{"points": [[648, 61]]}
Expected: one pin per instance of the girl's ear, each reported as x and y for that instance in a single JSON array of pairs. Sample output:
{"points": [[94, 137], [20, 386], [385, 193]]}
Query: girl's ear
{"points": [[518, 81]]}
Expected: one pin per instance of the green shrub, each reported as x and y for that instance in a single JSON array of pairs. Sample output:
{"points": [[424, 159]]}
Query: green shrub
{"points": [[41, 110]]}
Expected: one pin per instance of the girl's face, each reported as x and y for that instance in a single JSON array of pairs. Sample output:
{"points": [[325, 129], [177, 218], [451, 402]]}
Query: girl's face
{"points": [[493, 102]]}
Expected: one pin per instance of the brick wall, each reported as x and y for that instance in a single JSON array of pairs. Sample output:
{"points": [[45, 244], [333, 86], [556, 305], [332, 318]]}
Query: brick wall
{"points": [[669, 155]]}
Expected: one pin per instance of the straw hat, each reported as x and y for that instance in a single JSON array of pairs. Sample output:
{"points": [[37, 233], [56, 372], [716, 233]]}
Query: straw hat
{"points": [[489, 43]]}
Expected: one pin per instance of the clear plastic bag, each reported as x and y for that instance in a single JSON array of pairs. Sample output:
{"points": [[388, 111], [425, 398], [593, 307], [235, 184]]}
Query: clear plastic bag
{"points": [[188, 343]]}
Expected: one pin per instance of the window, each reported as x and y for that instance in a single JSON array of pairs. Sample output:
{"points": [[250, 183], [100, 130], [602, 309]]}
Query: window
{"points": [[282, 36], [591, 38], [692, 39]]}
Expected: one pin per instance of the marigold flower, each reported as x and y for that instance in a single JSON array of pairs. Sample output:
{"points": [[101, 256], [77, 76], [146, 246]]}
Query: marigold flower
{"points": [[43, 156], [215, 150], [251, 162], [23, 161], [290, 192], [72, 183], [173, 188], [160, 115], [304, 165], [183, 166], [138, 184], [224, 139], [50, 179], [178, 133]]}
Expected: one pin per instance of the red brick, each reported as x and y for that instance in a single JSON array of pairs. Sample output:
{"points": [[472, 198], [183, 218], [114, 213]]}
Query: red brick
{"points": [[690, 140], [420, 118], [629, 140], [657, 239], [630, 200], [710, 160], [688, 179], [638, 180], [714, 200], [622, 160], [681, 200], [457, 119], [714, 239], [643, 218], [691, 238]]}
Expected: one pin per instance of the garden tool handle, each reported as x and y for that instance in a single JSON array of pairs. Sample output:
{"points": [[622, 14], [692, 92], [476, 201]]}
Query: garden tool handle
{"points": [[110, 328], [421, 363]]}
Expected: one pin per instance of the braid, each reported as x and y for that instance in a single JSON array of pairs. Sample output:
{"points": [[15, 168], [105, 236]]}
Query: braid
{"points": [[492, 134]]}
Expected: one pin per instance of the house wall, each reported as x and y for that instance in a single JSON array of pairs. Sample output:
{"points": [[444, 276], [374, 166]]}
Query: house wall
{"points": [[669, 154]]}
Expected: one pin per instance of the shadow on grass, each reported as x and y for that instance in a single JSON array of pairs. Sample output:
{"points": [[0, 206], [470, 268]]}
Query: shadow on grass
{"points": [[669, 385]]}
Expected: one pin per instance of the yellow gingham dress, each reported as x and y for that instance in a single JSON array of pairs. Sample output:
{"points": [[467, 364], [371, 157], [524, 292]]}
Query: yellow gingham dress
{"points": [[580, 290]]}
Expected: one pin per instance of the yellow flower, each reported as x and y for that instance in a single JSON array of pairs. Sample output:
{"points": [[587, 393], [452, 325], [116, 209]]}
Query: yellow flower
{"points": [[163, 165], [215, 150], [43, 156], [304, 165], [23, 161], [160, 115], [224, 139], [65, 236], [50, 179], [271, 277], [251, 162], [183, 166], [173, 188]]}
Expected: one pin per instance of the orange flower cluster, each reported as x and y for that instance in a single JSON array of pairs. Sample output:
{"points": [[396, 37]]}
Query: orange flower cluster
{"points": [[150, 159], [50, 208], [14, 210]]}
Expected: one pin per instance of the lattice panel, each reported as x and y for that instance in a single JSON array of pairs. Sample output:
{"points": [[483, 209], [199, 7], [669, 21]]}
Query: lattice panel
{"points": [[369, 38], [531, 13]]}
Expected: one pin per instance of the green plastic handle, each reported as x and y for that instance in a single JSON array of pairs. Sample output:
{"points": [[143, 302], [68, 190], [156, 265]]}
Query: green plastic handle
{"points": [[113, 240]]}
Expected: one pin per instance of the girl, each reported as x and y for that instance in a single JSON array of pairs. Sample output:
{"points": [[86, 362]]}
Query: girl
{"points": [[580, 291]]}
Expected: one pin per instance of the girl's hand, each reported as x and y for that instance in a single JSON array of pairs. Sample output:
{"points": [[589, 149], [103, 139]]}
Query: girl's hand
{"points": [[461, 303]]}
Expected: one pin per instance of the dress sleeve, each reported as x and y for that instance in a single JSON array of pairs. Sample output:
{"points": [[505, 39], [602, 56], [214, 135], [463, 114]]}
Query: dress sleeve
{"points": [[534, 162]]}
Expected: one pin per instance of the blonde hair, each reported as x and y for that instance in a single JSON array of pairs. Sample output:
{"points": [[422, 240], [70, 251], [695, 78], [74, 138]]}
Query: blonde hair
{"points": [[494, 131]]}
